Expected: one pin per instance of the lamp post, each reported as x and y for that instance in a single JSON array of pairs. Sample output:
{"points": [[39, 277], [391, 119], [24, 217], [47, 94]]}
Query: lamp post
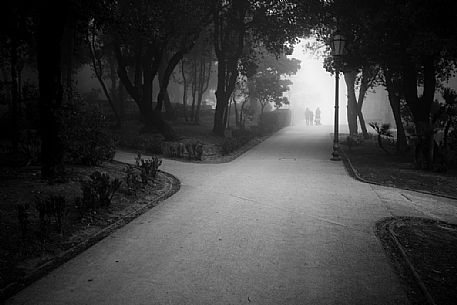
{"points": [[337, 44]]}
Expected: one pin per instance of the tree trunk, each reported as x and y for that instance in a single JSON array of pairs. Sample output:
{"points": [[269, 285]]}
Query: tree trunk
{"points": [[393, 90], [242, 118], [194, 89], [201, 88], [121, 99], [184, 95], [221, 107], [228, 46], [362, 93], [165, 102], [350, 77], [98, 70], [68, 43], [227, 114], [144, 102], [14, 93], [421, 109], [237, 116], [171, 65], [49, 36], [115, 91]]}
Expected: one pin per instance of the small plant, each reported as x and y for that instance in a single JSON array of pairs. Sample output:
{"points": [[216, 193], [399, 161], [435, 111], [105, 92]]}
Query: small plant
{"points": [[98, 191], [148, 167], [131, 179], [48, 207], [229, 145], [194, 151], [383, 130]]}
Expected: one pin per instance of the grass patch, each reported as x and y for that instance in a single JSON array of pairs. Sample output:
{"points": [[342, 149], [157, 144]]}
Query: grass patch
{"points": [[397, 170]]}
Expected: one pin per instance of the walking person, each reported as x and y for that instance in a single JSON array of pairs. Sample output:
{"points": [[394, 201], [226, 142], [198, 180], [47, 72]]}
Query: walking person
{"points": [[307, 116], [317, 120]]}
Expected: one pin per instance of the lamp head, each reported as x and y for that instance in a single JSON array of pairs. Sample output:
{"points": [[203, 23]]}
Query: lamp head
{"points": [[338, 44]]}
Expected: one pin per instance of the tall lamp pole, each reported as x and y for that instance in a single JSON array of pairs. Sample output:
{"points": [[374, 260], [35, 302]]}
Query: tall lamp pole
{"points": [[337, 44]]}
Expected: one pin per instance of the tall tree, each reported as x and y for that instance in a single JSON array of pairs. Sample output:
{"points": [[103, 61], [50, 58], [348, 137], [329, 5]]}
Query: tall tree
{"points": [[275, 24], [146, 34], [51, 24]]}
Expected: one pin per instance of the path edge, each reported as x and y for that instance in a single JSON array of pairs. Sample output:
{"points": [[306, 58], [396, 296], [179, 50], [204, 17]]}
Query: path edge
{"points": [[172, 188], [355, 174]]}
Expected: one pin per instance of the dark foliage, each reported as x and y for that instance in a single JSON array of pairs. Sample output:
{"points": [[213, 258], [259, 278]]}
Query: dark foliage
{"points": [[85, 139], [239, 138], [132, 179], [382, 130], [97, 192], [273, 121], [50, 207], [148, 167]]}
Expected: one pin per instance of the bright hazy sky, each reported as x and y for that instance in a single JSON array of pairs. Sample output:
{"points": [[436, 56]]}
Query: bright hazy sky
{"points": [[314, 87]]}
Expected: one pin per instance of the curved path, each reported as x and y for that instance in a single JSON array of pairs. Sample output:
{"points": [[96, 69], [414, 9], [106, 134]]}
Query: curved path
{"points": [[279, 225]]}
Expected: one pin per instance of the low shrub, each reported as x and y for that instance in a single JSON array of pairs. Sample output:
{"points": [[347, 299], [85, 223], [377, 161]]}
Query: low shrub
{"points": [[383, 131], [50, 207], [132, 179], [97, 192], [148, 167], [194, 150], [275, 120], [239, 138], [229, 145]]}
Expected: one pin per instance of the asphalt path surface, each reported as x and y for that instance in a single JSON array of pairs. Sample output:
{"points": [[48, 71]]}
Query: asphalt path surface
{"points": [[282, 224]]}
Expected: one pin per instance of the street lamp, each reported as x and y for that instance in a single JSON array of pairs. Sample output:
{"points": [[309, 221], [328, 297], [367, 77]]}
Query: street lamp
{"points": [[337, 44]]}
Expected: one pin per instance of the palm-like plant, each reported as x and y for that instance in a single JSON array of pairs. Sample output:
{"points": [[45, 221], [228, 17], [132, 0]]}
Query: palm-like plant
{"points": [[381, 130]]}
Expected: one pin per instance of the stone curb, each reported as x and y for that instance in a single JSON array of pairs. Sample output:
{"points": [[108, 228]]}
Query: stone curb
{"points": [[388, 224], [221, 159], [355, 174], [416, 276], [172, 187]]}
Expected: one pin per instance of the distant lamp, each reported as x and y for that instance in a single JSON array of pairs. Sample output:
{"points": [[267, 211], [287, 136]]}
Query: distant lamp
{"points": [[338, 45]]}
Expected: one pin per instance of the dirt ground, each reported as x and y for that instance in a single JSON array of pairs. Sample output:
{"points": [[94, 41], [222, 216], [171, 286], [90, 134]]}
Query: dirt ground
{"points": [[21, 256], [430, 246], [397, 170]]}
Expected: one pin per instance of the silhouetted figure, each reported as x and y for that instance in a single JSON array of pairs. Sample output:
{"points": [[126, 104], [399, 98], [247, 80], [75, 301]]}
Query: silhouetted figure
{"points": [[311, 116], [317, 119], [307, 116]]}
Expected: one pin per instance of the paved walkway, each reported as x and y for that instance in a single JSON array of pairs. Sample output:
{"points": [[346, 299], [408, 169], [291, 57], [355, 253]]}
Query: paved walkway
{"points": [[279, 225]]}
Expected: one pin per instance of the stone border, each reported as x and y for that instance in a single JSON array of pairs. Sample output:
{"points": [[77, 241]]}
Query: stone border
{"points": [[172, 187], [218, 159], [236, 153], [355, 174], [386, 224]]}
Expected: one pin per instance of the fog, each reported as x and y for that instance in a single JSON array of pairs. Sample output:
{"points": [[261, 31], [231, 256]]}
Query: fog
{"points": [[314, 87]]}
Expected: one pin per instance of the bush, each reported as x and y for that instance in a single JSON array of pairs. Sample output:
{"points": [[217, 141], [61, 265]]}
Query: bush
{"points": [[132, 179], [84, 136], [97, 192], [148, 167], [48, 207], [240, 137], [274, 121]]}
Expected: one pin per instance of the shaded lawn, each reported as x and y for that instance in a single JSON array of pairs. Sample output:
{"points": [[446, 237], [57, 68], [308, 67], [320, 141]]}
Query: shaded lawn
{"points": [[397, 170], [21, 255]]}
